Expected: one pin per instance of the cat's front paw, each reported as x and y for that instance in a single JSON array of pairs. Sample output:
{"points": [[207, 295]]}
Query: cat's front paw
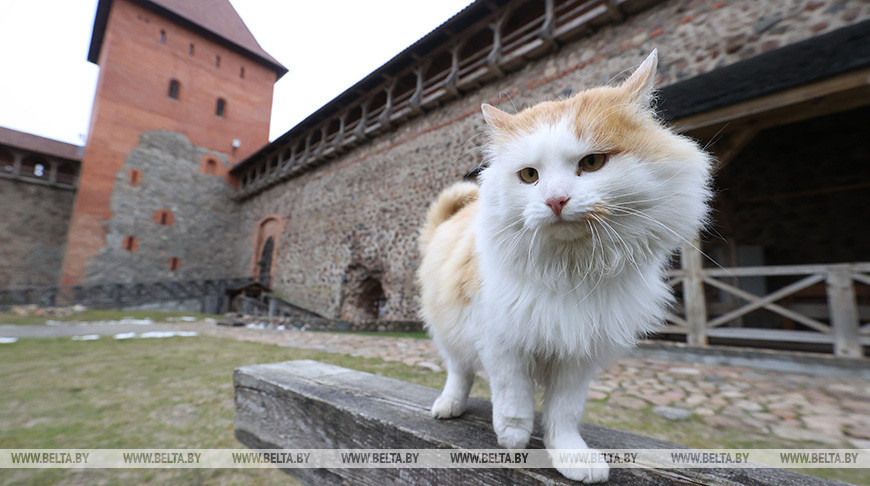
{"points": [[446, 407], [513, 437], [588, 468]]}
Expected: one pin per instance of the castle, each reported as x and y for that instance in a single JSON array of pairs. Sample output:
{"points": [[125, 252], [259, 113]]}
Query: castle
{"points": [[178, 181]]}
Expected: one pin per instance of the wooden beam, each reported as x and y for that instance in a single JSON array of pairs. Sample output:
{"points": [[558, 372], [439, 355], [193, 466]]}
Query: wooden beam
{"points": [[854, 83], [732, 145], [311, 405]]}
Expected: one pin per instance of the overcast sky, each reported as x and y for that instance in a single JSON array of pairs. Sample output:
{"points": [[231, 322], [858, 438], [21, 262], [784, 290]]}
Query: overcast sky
{"points": [[47, 85]]}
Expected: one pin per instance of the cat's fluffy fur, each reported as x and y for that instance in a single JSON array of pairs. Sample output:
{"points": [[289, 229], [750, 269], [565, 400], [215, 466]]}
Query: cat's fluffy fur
{"points": [[540, 297]]}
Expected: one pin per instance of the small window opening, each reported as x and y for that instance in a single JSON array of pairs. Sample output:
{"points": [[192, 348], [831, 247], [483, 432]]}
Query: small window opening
{"points": [[217, 61], [211, 167], [242, 72], [221, 108], [130, 243], [190, 50], [174, 263], [134, 176], [164, 217], [163, 37], [174, 88]]}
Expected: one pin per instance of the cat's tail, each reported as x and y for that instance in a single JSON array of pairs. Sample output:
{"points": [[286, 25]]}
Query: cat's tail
{"points": [[449, 202]]}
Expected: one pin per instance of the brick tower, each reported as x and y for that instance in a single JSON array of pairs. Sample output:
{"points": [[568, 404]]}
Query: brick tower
{"points": [[191, 68]]}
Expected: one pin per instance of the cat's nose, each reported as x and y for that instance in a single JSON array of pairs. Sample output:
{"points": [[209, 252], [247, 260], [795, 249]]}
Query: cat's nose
{"points": [[557, 203]]}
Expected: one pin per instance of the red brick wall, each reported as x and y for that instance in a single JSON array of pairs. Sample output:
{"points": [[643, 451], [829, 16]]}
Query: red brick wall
{"points": [[132, 97]]}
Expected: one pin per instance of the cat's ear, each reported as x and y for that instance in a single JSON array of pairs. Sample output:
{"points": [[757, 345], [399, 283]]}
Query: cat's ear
{"points": [[495, 117], [640, 84]]}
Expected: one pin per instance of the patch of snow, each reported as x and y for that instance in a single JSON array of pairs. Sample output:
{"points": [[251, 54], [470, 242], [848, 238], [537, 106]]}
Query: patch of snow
{"points": [[130, 320], [8, 340], [125, 335], [86, 337], [165, 334]]}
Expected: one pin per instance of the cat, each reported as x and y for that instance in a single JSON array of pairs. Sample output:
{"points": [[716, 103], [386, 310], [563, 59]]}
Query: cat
{"points": [[552, 266]]}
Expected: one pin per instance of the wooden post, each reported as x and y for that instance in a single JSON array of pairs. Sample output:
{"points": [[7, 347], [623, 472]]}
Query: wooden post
{"points": [[273, 305], [693, 293], [844, 312]]}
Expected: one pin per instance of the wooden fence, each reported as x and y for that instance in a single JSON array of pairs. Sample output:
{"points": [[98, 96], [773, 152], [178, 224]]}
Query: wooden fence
{"points": [[116, 295], [818, 304]]}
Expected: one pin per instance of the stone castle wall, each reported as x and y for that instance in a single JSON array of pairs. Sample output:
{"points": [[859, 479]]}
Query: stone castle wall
{"points": [[354, 220], [32, 232], [172, 209]]}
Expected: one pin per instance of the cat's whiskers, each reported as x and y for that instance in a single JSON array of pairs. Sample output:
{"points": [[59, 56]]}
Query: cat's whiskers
{"points": [[629, 251], [671, 230]]}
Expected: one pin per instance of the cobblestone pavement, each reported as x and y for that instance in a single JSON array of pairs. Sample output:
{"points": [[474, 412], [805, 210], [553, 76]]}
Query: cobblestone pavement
{"points": [[832, 411]]}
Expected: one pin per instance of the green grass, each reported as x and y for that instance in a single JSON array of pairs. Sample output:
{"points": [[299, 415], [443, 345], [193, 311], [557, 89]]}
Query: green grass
{"points": [[91, 315], [412, 335], [140, 393], [177, 393]]}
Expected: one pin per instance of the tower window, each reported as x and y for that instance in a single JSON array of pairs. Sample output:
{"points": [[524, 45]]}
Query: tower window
{"points": [[220, 109], [163, 37], [190, 50], [130, 243], [217, 61], [242, 72], [174, 263], [209, 165], [164, 217], [134, 177], [174, 87]]}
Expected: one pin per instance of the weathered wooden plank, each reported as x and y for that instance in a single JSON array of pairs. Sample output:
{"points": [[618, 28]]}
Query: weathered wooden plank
{"points": [[844, 312], [693, 293], [777, 270], [311, 405], [778, 335], [757, 303], [819, 326]]}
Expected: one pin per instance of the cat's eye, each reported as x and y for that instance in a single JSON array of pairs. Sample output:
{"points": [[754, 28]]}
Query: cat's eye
{"points": [[529, 175], [591, 162]]}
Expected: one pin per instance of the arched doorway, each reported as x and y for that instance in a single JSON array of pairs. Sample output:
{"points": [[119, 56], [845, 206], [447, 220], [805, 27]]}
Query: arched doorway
{"points": [[265, 246], [265, 263]]}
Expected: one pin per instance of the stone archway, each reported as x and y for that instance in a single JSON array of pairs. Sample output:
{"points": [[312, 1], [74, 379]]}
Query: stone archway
{"points": [[362, 294]]}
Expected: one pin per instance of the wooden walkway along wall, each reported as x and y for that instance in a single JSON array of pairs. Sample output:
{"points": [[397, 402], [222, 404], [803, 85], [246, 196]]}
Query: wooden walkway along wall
{"points": [[311, 405]]}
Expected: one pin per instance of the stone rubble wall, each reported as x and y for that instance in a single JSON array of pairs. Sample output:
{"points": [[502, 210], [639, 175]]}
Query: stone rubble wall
{"points": [[203, 216], [33, 232], [363, 209]]}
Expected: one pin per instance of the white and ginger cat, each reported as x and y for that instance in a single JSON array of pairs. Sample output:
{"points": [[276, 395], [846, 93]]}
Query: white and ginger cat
{"points": [[554, 265]]}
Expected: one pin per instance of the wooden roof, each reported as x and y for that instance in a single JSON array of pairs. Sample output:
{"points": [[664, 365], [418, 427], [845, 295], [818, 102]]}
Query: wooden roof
{"points": [[41, 145]]}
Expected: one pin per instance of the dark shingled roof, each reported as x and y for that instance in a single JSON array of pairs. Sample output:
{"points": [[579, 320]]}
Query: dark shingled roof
{"points": [[42, 145], [216, 20]]}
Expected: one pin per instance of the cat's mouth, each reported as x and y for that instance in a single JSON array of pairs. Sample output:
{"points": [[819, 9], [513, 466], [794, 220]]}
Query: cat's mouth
{"points": [[579, 226], [595, 214]]}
